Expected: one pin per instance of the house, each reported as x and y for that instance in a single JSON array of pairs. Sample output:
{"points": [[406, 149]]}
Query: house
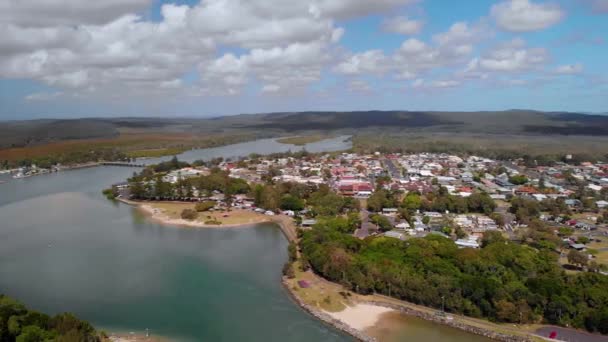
{"points": [[470, 242], [389, 211], [403, 225], [573, 202], [602, 204], [395, 235], [578, 246], [308, 223]]}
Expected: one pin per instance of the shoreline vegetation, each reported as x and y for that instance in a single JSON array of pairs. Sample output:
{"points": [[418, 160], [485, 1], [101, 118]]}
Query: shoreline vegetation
{"points": [[354, 314]]}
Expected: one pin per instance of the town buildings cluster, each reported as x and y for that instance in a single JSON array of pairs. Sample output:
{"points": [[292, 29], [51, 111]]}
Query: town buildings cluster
{"points": [[581, 189]]}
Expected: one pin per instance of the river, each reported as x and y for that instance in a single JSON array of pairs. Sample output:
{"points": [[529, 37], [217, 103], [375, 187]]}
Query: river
{"points": [[64, 247]]}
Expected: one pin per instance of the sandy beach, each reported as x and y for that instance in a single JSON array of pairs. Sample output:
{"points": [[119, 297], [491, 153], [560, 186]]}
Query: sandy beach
{"points": [[360, 316], [169, 213]]}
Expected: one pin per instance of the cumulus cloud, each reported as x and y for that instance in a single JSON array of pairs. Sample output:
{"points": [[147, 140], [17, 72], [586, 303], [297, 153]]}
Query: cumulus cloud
{"points": [[513, 56], [43, 96], [279, 69], [369, 62], [402, 25], [524, 15], [415, 58], [222, 47], [569, 69], [66, 12], [103, 45]]}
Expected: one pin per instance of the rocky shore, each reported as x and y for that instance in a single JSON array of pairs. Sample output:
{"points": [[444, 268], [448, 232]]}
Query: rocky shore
{"points": [[440, 319], [447, 320]]}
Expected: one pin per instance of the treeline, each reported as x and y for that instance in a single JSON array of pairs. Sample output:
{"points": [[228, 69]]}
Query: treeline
{"points": [[503, 281], [544, 154], [149, 184], [439, 200], [17, 323], [294, 196], [67, 158]]}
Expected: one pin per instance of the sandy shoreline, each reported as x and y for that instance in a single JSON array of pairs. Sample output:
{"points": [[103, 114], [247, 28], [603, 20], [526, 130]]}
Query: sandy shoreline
{"points": [[285, 223], [361, 316]]}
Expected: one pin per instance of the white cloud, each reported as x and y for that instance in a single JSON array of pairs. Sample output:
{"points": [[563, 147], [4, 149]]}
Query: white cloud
{"points": [[39, 13], [445, 84], [569, 69], [344, 9], [402, 25], [523, 15], [359, 86], [104, 47], [43, 96], [512, 56], [415, 57], [368, 62], [279, 69]]}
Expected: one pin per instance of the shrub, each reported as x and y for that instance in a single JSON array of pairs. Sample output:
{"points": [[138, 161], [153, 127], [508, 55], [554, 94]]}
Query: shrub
{"points": [[204, 206], [189, 214]]}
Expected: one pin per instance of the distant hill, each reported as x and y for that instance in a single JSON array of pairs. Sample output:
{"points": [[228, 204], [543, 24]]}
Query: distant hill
{"points": [[524, 122]]}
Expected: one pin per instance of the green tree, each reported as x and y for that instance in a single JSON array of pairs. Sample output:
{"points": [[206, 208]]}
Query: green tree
{"points": [[492, 236], [204, 206], [518, 179], [290, 202], [577, 258]]}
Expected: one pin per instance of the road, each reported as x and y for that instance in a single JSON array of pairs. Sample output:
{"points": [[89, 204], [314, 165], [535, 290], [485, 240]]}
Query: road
{"points": [[366, 226], [394, 171]]}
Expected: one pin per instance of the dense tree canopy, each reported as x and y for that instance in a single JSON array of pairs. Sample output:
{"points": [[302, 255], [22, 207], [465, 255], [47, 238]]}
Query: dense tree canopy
{"points": [[502, 281], [17, 323]]}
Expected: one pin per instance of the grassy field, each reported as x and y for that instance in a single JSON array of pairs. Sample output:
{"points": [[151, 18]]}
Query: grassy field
{"points": [[303, 140], [602, 247], [321, 294], [233, 217]]}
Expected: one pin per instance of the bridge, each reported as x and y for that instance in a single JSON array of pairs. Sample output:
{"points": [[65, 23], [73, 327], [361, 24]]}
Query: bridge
{"points": [[124, 164]]}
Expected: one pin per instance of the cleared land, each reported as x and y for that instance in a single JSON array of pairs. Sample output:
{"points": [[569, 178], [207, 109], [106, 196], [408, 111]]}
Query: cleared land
{"points": [[225, 218]]}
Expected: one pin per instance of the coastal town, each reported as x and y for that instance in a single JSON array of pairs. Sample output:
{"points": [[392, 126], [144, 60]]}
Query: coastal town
{"points": [[395, 195], [339, 207]]}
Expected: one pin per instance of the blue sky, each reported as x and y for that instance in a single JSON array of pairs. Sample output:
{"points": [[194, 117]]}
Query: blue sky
{"points": [[221, 57]]}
